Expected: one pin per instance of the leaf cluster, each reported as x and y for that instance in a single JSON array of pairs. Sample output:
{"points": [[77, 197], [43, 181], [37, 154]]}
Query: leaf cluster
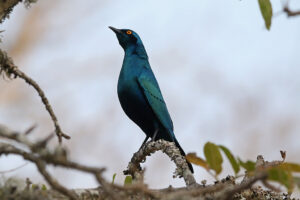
{"points": [[278, 171]]}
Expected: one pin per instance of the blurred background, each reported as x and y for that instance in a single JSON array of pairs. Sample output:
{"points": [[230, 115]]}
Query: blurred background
{"points": [[225, 78]]}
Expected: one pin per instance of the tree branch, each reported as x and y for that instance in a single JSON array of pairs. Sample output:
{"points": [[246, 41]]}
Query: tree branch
{"points": [[230, 192], [42, 156], [6, 7], [10, 149], [169, 148]]}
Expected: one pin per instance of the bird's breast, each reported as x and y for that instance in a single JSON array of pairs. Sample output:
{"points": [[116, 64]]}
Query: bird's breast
{"points": [[132, 98], [129, 92]]}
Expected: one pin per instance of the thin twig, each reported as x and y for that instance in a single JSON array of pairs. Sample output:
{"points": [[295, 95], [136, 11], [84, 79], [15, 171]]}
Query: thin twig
{"points": [[30, 129], [290, 13], [7, 65], [50, 158], [14, 169]]}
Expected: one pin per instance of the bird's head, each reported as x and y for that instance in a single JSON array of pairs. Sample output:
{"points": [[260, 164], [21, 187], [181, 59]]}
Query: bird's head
{"points": [[127, 38]]}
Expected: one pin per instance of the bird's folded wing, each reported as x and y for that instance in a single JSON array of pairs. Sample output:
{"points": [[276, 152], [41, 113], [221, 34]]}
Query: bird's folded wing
{"points": [[156, 101]]}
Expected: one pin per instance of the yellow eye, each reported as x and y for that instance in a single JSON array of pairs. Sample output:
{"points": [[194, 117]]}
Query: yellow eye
{"points": [[128, 32]]}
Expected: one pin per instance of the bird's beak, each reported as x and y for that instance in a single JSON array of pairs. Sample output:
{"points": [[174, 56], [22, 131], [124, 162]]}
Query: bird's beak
{"points": [[117, 31]]}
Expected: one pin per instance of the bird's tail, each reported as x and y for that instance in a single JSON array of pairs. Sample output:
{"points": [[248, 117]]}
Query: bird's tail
{"points": [[183, 153]]}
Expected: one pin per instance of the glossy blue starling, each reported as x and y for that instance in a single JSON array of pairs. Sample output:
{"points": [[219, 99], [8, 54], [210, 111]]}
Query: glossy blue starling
{"points": [[139, 92]]}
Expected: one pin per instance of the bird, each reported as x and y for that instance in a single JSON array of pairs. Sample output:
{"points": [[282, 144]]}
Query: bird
{"points": [[139, 93]]}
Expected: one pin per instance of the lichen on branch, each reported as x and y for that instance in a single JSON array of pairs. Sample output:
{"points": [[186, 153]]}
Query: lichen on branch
{"points": [[169, 148]]}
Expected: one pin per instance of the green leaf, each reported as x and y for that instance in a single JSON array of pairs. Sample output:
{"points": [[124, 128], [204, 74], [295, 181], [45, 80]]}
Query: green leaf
{"points": [[34, 186], [281, 176], [266, 11], [128, 180], [193, 158], [235, 165], [213, 157], [44, 187], [248, 165], [113, 179], [291, 167]]}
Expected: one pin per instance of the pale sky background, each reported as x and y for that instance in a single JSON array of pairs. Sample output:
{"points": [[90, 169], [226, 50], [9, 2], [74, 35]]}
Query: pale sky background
{"points": [[225, 79]]}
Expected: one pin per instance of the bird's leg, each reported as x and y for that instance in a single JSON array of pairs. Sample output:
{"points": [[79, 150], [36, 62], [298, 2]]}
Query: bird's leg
{"points": [[152, 139], [147, 137], [154, 135]]}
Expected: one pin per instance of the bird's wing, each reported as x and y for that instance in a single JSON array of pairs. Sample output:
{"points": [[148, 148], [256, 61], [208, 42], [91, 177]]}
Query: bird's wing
{"points": [[155, 99]]}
